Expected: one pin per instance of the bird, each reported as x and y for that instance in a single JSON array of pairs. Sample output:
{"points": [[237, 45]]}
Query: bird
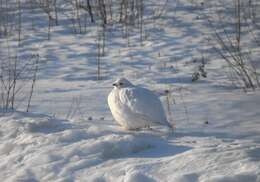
{"points": [[134, 107]]}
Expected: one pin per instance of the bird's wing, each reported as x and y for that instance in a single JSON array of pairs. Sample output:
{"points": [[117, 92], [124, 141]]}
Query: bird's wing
{"points": [[145, 104]]}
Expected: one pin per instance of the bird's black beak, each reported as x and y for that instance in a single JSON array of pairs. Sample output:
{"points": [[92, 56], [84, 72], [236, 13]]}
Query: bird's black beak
{"points": [[114, 84]]}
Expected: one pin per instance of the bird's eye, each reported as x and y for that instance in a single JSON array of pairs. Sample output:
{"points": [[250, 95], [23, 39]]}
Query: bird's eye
{"points": [[120, 83]]}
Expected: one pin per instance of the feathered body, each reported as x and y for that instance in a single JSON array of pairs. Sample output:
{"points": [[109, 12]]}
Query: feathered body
{"points": [[135, 107]]}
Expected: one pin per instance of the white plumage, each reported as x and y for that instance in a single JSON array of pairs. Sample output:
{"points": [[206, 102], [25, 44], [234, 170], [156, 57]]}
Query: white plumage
{"points": [[135, 107]]}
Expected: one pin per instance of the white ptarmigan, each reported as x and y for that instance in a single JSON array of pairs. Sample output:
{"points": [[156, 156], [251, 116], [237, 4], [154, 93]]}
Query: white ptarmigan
{"points": [[135, 107]]}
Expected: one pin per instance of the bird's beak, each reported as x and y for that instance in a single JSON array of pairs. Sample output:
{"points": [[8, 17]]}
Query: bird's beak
{"points": [[114, 84]]}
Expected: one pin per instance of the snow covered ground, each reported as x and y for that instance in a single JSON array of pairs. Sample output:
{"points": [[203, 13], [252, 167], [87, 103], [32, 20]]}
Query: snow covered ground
{"points": [[70, 134]]}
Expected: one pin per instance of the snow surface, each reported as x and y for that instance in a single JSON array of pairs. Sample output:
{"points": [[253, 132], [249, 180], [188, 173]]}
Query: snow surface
{"points": [[71, 135]]}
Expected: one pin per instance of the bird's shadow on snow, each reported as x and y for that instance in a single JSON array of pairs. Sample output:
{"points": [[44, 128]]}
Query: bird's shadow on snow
{"points": [[142, 145], [115, 142]]}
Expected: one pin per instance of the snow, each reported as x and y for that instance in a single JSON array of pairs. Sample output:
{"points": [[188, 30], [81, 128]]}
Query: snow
{"points": [[70, 134], [38, 147]]}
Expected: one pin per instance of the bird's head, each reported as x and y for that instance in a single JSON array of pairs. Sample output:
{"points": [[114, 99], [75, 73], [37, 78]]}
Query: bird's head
{"points": [[122, 83]]}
